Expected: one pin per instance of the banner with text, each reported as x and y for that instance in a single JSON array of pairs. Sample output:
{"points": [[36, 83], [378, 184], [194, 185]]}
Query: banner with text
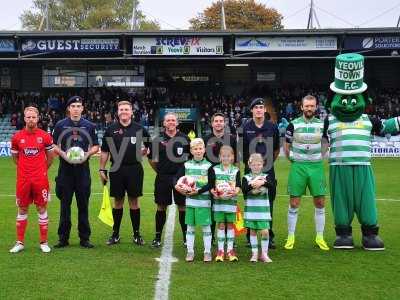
{"points": [[177, 45], [5, 149], [386, 149], [259, 43], [183, 114], [372, 42], [7, 45], [70, 45]]}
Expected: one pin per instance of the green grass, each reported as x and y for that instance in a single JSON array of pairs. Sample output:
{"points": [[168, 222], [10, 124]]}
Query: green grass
{"points": [[128, 271]]}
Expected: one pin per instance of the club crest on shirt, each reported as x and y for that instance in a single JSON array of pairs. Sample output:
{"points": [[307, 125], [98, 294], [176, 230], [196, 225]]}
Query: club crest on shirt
{"points": [[179, 150], [133, 140], [39, 140]]}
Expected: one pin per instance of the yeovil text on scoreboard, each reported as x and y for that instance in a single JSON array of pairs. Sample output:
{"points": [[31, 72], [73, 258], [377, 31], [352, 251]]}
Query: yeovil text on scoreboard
{"points": [[177, 45]]}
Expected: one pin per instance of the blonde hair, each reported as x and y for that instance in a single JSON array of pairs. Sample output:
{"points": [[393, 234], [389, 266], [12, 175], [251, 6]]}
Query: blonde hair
{"points": [[31, 108], [124, 102], [197, 142], [226, 148], [254, 158]]}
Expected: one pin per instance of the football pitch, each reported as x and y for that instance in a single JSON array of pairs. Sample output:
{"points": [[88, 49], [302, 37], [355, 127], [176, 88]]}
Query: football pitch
{"points": [[130, 271]]}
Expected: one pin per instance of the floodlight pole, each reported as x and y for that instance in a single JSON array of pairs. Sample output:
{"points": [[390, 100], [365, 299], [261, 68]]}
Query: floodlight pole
{"points": [[47, 15], [134, 16], [311, 16], [223, 23]]}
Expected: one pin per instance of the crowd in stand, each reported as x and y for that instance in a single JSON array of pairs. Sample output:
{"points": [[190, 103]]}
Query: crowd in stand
{"points": [[100, 105]]}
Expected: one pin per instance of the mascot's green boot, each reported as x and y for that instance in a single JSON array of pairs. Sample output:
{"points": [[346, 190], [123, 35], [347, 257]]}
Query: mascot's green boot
{"points": [[349, 131]]}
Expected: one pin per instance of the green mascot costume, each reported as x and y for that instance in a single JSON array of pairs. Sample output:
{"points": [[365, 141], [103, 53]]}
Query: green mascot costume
{"points": [[349, 132]]}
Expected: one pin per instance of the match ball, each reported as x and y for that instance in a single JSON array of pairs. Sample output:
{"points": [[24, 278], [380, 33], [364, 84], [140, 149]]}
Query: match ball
{"points": [[223, 189], [186, 183], [262, 189], [75, 155]]}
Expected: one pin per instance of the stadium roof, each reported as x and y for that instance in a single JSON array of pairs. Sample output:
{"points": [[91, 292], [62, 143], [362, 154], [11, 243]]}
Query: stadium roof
{"points": [[291, 32]]}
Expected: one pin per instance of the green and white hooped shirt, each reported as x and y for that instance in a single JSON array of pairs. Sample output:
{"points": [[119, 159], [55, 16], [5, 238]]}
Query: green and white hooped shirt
{"points": [[230, 176], [198, 170], [350, 142], [305, 138], [257, 206]]}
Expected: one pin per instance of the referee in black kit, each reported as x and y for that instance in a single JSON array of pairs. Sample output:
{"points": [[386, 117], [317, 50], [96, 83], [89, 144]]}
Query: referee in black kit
{"points": [[262, 136], [123, 141], [168, 154], [74, 177], [214, 141]]}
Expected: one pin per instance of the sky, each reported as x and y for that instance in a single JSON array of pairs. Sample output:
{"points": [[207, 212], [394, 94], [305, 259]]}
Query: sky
{"points": [[175, 14]]}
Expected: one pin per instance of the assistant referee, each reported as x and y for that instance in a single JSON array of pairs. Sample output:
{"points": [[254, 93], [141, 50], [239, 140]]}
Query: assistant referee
{"points": [[124, 142]]}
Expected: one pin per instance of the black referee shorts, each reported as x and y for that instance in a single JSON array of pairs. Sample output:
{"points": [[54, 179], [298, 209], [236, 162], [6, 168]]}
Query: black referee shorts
{"points": [[163, 189], [128, 179]]}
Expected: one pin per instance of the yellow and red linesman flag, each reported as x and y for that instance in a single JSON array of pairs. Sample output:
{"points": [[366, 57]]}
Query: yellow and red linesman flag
{"points": [[105, 214], [238, 226]]}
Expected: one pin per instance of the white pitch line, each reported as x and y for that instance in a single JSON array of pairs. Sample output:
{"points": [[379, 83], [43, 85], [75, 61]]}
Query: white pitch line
{"points": [[378, 199], [278, 195], [166, 259]]}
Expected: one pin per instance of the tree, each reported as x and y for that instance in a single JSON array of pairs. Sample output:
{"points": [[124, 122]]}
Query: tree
{"points": [[85, 15], [239, 15]]}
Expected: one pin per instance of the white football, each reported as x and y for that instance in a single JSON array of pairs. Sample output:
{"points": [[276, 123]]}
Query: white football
{"points": [[187, 183], [260, 190], [223, 189], [75, 154]]}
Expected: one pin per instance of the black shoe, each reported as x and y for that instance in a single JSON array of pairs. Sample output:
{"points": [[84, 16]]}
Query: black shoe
{"points": [[344, 238], [137, 239], [61, 244], [371, 240], [271, 244], [343, 242], [156, 243], [114, 239], [373, 243], [86, 244]]}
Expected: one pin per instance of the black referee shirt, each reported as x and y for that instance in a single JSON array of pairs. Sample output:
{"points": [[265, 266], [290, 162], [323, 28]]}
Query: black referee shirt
{"points": [[132, 136], [178, 147], [214, 144]]}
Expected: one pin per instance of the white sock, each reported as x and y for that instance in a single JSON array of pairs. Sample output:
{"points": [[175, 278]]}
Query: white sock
{"points": [[264, 245], [221, 239], [292, 220], [190, 238], [207, 238], [319, 220], [254, 244], [230, 237]]}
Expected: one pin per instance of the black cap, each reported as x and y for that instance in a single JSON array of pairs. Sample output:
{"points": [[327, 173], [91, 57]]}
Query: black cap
{"points": [[256, 101], [74, 99]]}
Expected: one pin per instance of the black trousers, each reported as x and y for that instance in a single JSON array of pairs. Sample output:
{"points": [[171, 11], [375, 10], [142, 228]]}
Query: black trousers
{"points": [[271, 196], [68, 183]]}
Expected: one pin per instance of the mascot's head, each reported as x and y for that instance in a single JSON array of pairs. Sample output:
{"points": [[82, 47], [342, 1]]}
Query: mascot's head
{"points": [[350, 98]]}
